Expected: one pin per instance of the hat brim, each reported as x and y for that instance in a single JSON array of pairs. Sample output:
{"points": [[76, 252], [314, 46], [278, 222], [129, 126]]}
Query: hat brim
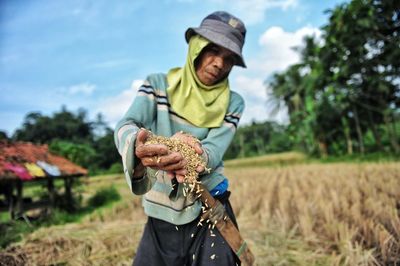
{"points": [[219, 39]]}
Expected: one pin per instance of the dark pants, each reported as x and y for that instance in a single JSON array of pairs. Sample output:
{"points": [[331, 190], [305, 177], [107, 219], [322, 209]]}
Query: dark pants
{"points": [[167, 244]]}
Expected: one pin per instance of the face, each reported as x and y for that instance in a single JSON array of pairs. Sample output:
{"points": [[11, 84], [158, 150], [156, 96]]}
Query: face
{"points": [[214, 64]]}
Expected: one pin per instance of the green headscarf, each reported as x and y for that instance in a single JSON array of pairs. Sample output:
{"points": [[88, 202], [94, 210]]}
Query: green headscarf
{"points": [[201, 105]]}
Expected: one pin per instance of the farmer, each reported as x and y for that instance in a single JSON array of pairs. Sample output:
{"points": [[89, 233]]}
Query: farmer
{"points": [[188, 103]]}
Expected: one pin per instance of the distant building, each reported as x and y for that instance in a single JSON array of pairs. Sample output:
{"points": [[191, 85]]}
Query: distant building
{"points": [[22, 162]]}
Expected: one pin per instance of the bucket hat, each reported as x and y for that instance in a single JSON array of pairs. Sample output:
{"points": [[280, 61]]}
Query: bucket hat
{"points": [[224, 30]]}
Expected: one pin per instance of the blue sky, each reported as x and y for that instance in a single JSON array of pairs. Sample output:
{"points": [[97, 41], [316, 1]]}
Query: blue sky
{"points": [[94, 54]]}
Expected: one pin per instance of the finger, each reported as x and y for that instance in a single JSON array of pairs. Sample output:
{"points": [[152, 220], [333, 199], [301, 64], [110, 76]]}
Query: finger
{"points": [[195, 144], [170, 175], [142, 136], [171, 158], [200, 169], [181, 172], [197, 147], [150, 161], [189, 140], [151, 150], [174, 166], [180, 178], [170, 162]]}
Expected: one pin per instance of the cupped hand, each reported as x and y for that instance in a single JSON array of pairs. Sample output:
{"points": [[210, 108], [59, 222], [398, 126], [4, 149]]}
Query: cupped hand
{"points": [[192, 142], [189, 140], [158, 156]]}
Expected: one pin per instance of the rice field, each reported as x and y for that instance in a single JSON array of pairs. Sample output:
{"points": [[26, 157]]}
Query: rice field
{"points": [[303, 214], [343, 214]]}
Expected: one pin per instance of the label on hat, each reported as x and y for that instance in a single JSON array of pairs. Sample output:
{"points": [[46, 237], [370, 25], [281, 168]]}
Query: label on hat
{"points": [[233, 22]]}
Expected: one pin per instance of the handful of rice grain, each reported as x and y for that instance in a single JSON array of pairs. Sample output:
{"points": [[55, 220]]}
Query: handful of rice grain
{"points": [[192, 157]]}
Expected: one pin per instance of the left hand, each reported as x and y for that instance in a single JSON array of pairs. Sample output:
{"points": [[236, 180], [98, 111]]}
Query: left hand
{"points": [[192, 142], [157, 156]]}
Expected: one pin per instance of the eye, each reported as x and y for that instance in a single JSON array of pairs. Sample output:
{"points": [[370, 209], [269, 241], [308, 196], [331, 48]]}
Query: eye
{"points": [[213, 49], [230, 60]]}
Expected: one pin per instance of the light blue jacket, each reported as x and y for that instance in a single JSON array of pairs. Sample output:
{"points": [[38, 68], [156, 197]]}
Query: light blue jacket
{"points": [[151, 110]]}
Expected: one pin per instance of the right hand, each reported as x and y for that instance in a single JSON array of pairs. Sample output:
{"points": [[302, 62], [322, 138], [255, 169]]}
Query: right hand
{"points": [[192, 142], [157, 156]]}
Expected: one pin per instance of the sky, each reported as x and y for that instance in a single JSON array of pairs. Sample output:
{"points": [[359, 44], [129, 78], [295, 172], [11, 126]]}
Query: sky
{"points": [[94, 54]]}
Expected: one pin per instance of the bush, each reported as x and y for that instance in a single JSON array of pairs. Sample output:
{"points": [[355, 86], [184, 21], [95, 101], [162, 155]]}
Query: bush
{"points": [[81, 154], [116, 168], [104, 196]]}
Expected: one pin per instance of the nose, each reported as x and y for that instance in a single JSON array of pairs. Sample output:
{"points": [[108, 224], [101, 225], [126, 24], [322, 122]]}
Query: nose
{"points": [[218, 62]]}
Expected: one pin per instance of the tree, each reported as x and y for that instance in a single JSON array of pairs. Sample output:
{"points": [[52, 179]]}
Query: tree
{"points": [[258, 139], [346, 87], [90, 144], [63, 125], [3, 135]]}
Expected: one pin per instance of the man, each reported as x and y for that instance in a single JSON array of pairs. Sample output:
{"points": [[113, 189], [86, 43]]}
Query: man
{"points": [[197, 100]]}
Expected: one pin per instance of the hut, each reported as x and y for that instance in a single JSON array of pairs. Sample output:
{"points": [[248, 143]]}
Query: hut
{"points": [[24, 162]]}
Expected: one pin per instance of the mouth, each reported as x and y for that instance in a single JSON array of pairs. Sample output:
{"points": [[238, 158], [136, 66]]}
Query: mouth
{"points": [[212, 75]]}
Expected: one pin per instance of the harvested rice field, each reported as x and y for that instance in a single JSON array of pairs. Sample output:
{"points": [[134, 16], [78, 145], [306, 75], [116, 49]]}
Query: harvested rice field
{"points": [[302, 214]]}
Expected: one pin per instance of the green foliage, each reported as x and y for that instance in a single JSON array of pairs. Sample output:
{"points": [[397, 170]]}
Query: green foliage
{"points": [[87, 143], [258, 139], [366, 158], [3, 135], [65, 125], [104, 196], [13, 230], [81, 154], [278, 159], [115, 168], [344, 97], [106, 153]]}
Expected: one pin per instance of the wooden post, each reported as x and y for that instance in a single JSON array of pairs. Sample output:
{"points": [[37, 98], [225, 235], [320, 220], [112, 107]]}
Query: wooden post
{"points": [[68, 192], [19, 208], [50, 188], [10, 198]]}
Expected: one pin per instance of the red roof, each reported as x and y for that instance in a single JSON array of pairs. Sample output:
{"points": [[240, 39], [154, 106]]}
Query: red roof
{"points": [[19, 153]]}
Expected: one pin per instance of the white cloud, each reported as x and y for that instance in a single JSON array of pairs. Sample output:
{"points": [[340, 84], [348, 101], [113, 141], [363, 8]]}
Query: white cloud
{"points": [[253, 92], [250, 88], [253, 11], [83, 88], [277, 48], [115, 107], [276, 54]]}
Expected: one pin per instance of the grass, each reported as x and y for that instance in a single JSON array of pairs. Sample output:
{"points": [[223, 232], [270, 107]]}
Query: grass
{"points": [[292, 158], [14, 230], [357, 158], [279, 159]]}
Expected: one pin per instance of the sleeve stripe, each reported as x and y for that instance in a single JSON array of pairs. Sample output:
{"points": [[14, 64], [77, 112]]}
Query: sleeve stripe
{"points": [[233, 116], [230, 122], [125, 128], [232, 119], [150, 91], [175, 114], [147, 92], [122, 133]]}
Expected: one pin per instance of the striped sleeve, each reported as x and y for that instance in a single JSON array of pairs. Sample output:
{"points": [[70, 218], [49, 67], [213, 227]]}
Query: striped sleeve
{"points": [[140, 114], [218, 139]]}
